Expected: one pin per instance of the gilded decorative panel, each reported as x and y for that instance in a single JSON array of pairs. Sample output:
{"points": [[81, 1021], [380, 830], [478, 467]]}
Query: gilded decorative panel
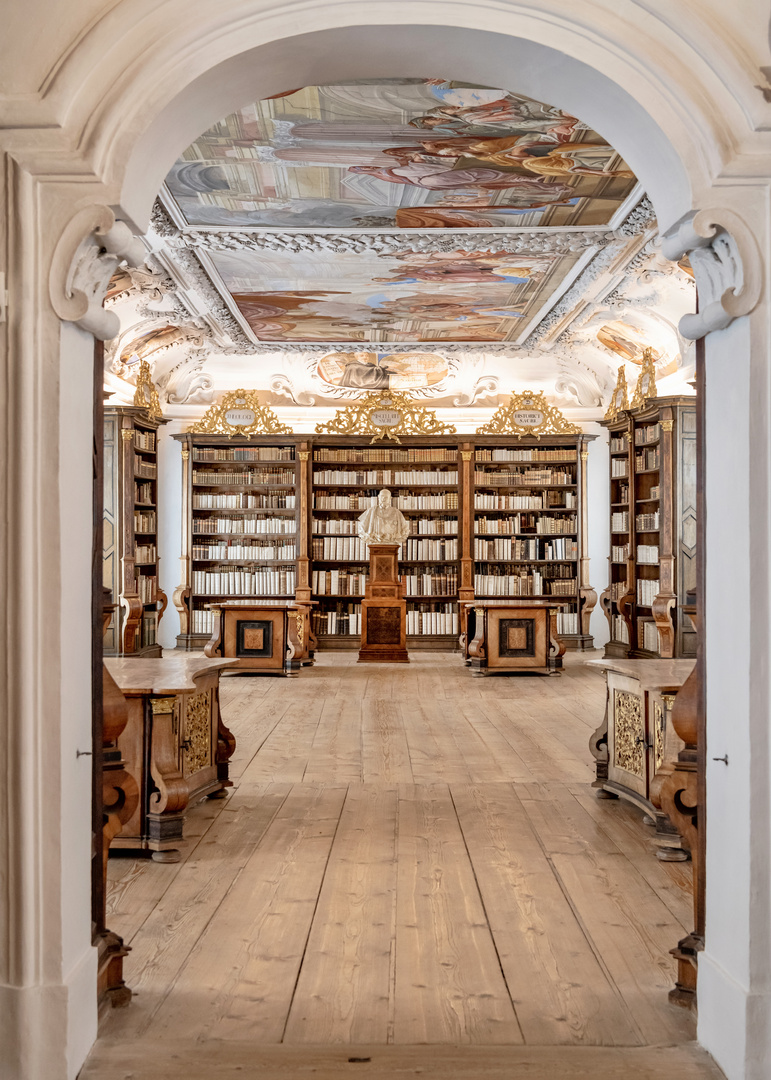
{"points": [[629, 732], [659, 733], [197, 734]]}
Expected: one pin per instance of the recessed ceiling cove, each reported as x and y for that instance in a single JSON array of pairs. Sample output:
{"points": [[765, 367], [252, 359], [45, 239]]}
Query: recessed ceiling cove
{"points": [[398, 154]]}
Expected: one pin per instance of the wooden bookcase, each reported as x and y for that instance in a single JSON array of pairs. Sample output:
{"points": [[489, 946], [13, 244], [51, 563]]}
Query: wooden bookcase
{"points": [[240, 524], [130, 546], [443, 484], [652, 529]]}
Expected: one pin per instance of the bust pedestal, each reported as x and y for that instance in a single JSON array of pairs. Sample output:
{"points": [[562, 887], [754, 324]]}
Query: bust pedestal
{"points": [[383, 610]]}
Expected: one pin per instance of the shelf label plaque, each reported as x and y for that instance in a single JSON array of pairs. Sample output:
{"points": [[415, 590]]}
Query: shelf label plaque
{"points": [[385, 417], [528, 417], [240, 417]]}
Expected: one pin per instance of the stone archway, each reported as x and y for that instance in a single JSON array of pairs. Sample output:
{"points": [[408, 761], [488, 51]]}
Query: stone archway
{"points": [[132, 92]]}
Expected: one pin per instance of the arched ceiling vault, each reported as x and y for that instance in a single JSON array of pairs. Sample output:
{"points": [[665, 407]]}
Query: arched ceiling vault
{"points": [[456, 240]]}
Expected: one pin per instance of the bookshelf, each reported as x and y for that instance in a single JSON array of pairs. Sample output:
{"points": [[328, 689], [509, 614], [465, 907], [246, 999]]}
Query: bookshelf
{"points": [[424, 482], [240, 525], [529, 526], [443, 484], [130, 551], [652, 524]]}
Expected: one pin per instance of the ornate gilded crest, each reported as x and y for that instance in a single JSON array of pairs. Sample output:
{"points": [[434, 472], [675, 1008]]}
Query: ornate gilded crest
{"points": [[385, 414], [240, 413], [528, 413], [619, 400], [646, 381], [146, 394]]}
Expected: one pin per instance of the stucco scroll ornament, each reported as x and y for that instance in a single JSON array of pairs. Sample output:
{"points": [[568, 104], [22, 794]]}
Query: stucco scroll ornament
{"points": [[726, 264], [89, 251]]}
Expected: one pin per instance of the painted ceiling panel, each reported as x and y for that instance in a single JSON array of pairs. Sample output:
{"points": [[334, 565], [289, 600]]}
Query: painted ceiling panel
{"points": [[395, 154], [420, 153], [451, 296]]}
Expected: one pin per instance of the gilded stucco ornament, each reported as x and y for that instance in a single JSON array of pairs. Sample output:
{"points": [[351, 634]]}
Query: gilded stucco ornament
{"points": [[89, 251], [646, 381], [385, 415], [146, 394], [726, 263], [240, 413], [619, 400], [528, 413]]}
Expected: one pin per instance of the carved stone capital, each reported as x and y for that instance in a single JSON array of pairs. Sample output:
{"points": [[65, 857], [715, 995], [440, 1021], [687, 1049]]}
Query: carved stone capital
{"points": [[90, 249], [726, 264]]}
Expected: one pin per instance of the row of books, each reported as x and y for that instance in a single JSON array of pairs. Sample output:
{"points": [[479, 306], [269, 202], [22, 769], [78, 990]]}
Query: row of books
{"points": [[144, 440], [243, 453], [647, 434], [145, 522], [647, 522], [144, 468], [502, 453], [518, 477], [619, 468], [204, 501], [544, 500], [385, 455], [380, 477], [147, 588], [567, 621], [201, 622], [325, 500], [647, 459], [430, 550], [426, 619], [647, 635], [345, 620], [347, 582], [619, 553], [442, 582], [557, 572], [530, 584], [647, 591], [618, 444], [145, 553], [619, 521], [618, 589], [244, 477], [418, 526], [343, 548], [619, 631], [508, 549], [143, 494], [526, 523], [236, 552], [148, 629], [648, 554], [244, 581], [244, 526]]}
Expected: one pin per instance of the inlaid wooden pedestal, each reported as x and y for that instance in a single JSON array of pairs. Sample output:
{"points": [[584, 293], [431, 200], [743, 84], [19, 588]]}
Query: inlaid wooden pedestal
{"points": [[383, 610]]}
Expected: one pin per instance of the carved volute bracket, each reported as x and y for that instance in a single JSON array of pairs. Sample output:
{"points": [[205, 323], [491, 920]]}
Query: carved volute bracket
{"points": [[89, 251], [726, 263]]}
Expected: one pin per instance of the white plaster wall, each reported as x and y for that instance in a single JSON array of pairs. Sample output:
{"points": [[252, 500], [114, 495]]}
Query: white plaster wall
{"points": [[170, 525], [597, 503], [79, 957]]}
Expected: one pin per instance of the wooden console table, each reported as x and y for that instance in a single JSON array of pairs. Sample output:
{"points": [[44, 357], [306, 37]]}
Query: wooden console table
{"points": [[509, 636], [636, 737], [263, 636], [174, 745]]}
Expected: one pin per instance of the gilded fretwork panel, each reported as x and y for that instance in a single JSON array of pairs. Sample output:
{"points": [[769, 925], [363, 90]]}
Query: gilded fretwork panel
{"points": [[659, 733], [629, 732], [197, 739]]}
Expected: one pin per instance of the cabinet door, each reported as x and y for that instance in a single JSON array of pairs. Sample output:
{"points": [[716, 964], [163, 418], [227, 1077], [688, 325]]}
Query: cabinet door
{"points": [[628, 757]]}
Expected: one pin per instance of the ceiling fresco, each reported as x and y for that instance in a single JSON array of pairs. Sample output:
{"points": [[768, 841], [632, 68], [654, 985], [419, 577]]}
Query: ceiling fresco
{"points": [[410, 296], [399, 153]]}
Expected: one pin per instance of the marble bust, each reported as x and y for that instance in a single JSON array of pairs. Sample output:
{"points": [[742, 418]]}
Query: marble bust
{"points": [[383, 523]]}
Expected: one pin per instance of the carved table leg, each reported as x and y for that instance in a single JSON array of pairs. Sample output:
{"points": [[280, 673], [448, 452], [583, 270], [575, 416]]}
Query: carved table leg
{"points": [[166, 813], [213, 647], [477, 649]]}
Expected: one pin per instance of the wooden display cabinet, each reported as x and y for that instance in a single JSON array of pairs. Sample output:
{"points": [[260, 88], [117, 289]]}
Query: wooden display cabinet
{"points": [[130, 546]]}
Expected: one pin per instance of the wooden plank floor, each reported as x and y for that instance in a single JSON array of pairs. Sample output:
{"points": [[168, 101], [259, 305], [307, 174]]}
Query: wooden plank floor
{"points": [[411, 869]]}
